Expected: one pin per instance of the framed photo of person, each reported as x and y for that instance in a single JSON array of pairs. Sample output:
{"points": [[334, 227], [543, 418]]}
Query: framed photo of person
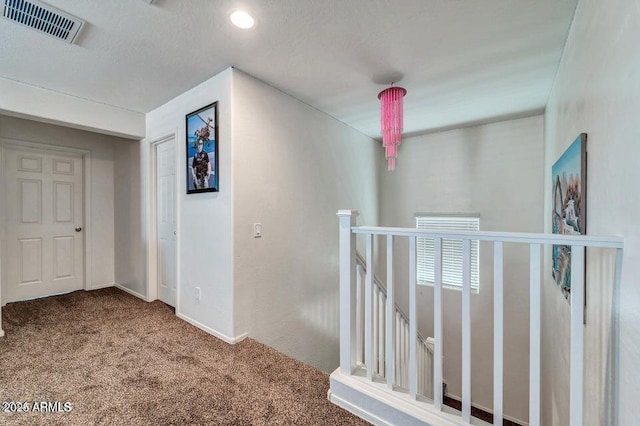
{"points": [[202, 150]]}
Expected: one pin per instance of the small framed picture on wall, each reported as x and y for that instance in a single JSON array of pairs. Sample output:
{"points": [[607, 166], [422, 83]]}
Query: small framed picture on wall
{"points": [[202, 150]]}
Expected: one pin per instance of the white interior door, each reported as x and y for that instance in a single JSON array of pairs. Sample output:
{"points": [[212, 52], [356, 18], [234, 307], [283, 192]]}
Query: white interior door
{"points": [[166, 220], [44, 205]]}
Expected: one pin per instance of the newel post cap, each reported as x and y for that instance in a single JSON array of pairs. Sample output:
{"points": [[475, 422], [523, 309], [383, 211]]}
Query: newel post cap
{"points": [[342, 213]]}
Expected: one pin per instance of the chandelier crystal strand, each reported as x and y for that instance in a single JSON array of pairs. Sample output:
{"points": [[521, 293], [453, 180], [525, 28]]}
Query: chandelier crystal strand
{"points": [[391, 113]]}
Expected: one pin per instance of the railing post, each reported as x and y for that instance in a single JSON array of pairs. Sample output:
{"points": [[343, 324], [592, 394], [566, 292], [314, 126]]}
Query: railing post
{"points": [[347, 219], [613, 369], [498, 331], [368, 309], [413, 320], [437, 325], [535, 296], [576, 369], [466, 330], [391, 316]]}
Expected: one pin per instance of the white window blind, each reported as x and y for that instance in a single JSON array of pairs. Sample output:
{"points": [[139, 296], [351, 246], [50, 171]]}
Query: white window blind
{"points": [[451, 250]]}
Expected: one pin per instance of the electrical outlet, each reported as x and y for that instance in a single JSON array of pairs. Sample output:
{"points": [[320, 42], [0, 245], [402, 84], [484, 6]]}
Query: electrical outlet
{"points": [[257, 230], [198, 294]]}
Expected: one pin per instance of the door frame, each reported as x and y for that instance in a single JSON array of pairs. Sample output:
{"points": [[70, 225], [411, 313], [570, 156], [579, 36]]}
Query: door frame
{"points": [[85, 155], [152, 205]]}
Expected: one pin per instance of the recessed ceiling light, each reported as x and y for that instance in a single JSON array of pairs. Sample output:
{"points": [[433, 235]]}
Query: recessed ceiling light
{"points": [[242, 19]]}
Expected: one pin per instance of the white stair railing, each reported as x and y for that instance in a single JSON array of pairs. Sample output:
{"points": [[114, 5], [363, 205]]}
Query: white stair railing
{"points": [[401, 350], [397, 377]]}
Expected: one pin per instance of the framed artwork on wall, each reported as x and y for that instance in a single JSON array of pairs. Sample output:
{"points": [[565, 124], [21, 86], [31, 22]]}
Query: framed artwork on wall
{"points": [[569, 215], [202, 150]]}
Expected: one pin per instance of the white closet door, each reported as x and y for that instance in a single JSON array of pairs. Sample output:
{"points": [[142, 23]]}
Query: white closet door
{"points": [[44, 221], [166, 220]]}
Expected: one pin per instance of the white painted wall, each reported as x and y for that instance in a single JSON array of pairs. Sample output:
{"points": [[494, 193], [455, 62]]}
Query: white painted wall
{"points": [[130, 251], [597, 91], [102, 183], [494, 170], [35, 103], [205, 245], [294, 167]]}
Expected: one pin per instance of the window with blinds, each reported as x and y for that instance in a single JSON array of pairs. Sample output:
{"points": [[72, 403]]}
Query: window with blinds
{"points": [[451, 250]]}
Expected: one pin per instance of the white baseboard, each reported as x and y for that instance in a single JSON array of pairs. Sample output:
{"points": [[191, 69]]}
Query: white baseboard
{"points": [[490, 411], [131, 292], [1, 333], [99, 286], [221, 336]]}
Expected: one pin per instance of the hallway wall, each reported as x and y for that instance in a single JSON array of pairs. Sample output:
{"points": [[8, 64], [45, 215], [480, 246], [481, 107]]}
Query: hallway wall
{"points": [[205, 223], [130, 250], [294, 167], [597, 91]]}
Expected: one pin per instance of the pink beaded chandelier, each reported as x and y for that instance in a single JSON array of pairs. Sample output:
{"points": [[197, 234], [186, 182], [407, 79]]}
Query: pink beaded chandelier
{"points": [[391, 122]]}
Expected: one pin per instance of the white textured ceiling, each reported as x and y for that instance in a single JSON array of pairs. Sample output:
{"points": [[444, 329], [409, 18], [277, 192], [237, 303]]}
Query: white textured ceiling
{"points": [[462, 61]]}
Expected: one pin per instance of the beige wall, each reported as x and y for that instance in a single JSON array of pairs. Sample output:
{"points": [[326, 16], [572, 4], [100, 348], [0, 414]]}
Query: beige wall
{"points": [[494, 170], [597, 91], [294, 167], [130, 249]]}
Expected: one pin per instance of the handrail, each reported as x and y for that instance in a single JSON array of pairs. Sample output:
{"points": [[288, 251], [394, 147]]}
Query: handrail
{"points": [[507, 237], [383, 290]]}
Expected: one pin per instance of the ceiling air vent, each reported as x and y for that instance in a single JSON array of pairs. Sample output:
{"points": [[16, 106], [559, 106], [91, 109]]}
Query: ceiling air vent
{"points": [[42, 18]]}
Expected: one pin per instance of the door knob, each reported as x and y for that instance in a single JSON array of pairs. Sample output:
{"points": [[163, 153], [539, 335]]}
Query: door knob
{"points": [[78, 229], [175, 233]]}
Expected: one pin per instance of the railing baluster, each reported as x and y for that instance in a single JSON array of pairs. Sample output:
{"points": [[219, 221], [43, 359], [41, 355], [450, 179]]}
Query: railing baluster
{"points": [[398, 354], [402, 362], [430, 368], [374, 322], [577, 343], [406, 354], [466, 330], [391, 308], [437, 325], [498, 331], [381, 334], [368, 305], [360, 314], [534, 336], [403, 366], [420, 357], [413, 320]]}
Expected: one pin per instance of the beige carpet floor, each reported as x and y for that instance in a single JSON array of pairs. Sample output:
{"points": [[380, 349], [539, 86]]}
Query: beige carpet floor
{"points": [[121, 361]]}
